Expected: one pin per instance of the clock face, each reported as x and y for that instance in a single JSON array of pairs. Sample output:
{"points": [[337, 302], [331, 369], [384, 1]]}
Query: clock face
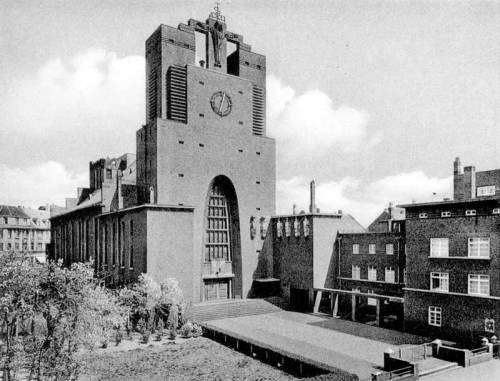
{"points": [[221, 103]]}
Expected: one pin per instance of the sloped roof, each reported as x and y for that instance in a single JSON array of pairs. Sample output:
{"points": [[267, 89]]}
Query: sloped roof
{"points": [[397, 214], [12, 211]]}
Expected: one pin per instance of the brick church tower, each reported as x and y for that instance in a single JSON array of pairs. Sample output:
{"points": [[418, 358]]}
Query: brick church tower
{"points": [[204, 146]]}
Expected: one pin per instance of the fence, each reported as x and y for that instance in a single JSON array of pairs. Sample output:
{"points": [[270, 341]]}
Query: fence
{"points": [[416, 353]]}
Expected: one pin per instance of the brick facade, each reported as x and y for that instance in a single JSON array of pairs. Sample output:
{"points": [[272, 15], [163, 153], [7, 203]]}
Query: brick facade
{"points": [[190, 147], [463, 316]]}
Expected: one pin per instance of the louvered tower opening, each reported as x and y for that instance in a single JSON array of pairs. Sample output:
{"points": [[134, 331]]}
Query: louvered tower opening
{"points": [[258, 110], [153, 93], [177, 93]]}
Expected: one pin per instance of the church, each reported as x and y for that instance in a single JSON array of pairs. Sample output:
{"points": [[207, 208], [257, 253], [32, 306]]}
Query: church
{"points": [[202, 181]]}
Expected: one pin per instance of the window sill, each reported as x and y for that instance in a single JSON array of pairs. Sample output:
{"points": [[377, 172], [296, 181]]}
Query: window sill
{"points": [[471, 258]]}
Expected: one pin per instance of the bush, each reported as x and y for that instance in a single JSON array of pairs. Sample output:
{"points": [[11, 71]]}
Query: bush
{"points": [[187, 330], [159, 330], [146, 336], [118, 337], [197, 330]]}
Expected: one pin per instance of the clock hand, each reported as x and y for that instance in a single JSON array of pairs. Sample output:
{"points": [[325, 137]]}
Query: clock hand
{"points": [[222, 102]]}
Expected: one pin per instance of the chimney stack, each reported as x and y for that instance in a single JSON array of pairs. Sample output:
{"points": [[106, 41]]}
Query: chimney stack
{"points": [[312, 205]]}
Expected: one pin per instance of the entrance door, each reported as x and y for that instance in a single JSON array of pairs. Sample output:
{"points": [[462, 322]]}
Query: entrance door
{"points": [[217, 289]]}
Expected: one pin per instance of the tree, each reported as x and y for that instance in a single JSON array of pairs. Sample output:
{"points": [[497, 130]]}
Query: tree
{"points": [[50, 312]]}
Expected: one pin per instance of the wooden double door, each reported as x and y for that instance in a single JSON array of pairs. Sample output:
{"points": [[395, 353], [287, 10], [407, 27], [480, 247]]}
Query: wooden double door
{"points": [[217, 289]]}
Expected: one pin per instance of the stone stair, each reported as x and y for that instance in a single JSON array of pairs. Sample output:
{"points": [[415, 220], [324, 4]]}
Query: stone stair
{"points": [[202, 312], [433, 366]]}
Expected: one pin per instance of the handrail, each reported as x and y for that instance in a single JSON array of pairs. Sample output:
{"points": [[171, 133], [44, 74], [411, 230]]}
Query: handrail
{"points": [[478, 351]]}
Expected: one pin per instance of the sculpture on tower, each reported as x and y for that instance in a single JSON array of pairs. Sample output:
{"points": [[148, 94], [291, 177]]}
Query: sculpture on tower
{"points": [[217, 32]]}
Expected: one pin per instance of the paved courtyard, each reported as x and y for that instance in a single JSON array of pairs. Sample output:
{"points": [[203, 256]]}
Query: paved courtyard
{"points": [[353, 347]]}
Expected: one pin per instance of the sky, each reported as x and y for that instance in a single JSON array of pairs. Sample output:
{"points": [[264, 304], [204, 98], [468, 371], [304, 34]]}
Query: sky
{"points": [[371, 99]]}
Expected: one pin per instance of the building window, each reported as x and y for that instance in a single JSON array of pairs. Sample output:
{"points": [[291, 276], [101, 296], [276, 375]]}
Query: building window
{"points": [[404, 275], [422, 215], [435, 316], [470, 212], [371, 301], [479, 248], [389, 249], [371, 248], [121, 237], [485, 191], [439, 247], [356, 272], [496, 211], [5, 220], [372, 273], [355, 248], [445, 214], [479, 284], [1, 246], [109, 174], [390, 275], [439, 282], [131, 243]]}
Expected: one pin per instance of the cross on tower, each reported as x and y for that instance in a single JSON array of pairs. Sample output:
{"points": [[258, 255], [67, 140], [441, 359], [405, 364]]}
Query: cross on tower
{"points": [[217, 14]]}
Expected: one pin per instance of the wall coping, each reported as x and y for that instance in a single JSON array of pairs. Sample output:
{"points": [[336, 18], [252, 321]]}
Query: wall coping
{"points": [[451, 293]]}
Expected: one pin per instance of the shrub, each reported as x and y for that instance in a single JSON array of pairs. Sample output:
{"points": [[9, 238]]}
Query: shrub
{"points": [[159, 330], [197, 330], [118, 337], [146, 336], [187, 330]]}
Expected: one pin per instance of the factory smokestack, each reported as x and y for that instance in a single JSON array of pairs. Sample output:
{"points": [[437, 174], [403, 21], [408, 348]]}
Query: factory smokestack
{"points": [[312, 205]]}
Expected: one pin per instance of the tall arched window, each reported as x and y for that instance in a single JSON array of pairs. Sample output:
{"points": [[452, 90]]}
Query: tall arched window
{"points": [[221, 245], [217, 235]]}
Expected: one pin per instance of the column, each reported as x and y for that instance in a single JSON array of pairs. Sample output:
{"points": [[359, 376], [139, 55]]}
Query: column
{"points": [[377, 319], [353, 307], [317, 301], [335, 304]]}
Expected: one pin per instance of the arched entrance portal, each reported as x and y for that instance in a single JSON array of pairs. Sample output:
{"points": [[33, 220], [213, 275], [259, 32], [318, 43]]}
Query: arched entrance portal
{"points": [[221, 247]]}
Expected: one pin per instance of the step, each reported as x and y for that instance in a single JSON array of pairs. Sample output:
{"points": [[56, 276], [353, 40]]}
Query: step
{"points": [[232, 308], [440, 369]]}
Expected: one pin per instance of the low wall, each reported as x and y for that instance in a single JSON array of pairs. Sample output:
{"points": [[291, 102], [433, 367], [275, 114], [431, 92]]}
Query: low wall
{"points": [[464, 357]]}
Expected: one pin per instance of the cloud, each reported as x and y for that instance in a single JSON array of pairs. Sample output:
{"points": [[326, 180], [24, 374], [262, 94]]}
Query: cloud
{"points": [[309, 125], [364, 201], [86, 106], [37, 185]]}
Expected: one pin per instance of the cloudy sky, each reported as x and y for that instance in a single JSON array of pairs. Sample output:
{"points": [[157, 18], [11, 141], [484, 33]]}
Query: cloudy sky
{"points": [[372, 99]]}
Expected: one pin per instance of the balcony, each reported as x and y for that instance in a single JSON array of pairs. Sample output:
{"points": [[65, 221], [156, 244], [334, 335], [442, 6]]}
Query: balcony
{"points": [[218, 269]]}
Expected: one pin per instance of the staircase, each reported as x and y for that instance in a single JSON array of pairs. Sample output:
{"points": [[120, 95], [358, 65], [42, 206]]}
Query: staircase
{"points": [[202, 312], [433, 366]]}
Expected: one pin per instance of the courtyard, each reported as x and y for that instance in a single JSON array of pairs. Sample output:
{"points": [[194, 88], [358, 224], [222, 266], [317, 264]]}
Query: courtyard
{"points": [[342, 346], [325, 342]]}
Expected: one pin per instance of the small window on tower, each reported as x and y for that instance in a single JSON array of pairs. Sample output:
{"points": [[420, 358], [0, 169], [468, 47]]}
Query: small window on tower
{"points": [[109, 174], [200, 49]]}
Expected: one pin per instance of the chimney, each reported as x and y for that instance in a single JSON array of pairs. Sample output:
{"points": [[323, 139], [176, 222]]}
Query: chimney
{"points": [[294, 209], [312, 205], [457, 167], [458, 180], [470, 182]]}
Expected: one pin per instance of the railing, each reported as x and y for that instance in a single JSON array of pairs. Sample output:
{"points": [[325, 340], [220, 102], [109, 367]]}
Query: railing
{"points": [[394, 375], [219, 268], [400, 372], [479, 351], [416, 353]]}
